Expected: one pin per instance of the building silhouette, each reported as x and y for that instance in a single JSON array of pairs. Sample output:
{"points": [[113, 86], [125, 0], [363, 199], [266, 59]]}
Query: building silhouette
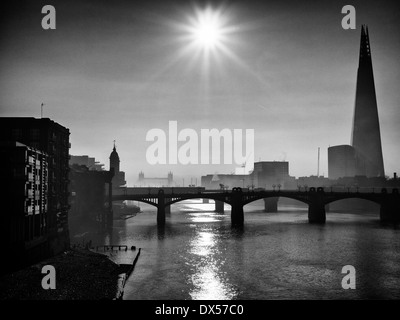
{"points": [[24, 172], [364, 156], [266, 174], [226, 181], [86, 161], [156, 182], [43, 138], [118, 180], [342, 162], [366, 137], [88, 190]]}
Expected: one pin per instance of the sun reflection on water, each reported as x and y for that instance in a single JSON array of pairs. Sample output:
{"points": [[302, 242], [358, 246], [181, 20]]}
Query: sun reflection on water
{"points": [[208, 281]]}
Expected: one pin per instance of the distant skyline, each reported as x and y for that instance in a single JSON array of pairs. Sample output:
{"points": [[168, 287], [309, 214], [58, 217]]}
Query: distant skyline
{"points": [[115, 70]]}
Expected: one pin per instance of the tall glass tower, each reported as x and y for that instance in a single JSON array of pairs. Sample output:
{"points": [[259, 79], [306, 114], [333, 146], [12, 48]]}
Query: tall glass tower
{"points": [[366, 137]]}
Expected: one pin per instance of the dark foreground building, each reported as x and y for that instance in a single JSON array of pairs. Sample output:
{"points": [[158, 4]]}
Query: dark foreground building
{"points": [[38, 206], [366, 136], [24, 185], [88, 195]]}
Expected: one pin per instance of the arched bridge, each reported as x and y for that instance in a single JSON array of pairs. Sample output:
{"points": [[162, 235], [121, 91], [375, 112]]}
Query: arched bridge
{"points": [[316, 198]]}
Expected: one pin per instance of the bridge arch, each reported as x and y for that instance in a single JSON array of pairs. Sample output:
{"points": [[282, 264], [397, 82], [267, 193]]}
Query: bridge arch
{"points": [[205, 196], [353, 196], [256, 198], [175, 199], [134, 199]]}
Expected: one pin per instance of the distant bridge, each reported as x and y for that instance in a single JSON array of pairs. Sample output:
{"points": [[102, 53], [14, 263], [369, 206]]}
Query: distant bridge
{"points": [[316, 198]]}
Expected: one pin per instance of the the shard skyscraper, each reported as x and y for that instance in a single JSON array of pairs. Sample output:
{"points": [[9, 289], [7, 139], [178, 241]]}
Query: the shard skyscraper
{"points": [[366, 136]]}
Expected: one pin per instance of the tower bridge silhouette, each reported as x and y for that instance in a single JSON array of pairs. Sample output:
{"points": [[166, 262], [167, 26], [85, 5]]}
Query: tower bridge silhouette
{"points": [[315, 198]]}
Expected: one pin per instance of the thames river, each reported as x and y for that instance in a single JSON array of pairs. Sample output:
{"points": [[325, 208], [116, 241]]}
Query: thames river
{"points": [[197, 255]]}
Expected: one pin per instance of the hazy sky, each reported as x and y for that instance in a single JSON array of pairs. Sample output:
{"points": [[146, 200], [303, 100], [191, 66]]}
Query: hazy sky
{"points": [[116, 69]]}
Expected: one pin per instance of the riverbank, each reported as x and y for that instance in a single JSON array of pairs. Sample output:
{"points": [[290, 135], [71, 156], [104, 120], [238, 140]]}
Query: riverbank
{"points": [[80, 275]]}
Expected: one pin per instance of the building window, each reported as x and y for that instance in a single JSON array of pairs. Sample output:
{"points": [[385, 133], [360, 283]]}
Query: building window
{"points": [[19, 172], [35, 145], [35, 134], [17, 134]]}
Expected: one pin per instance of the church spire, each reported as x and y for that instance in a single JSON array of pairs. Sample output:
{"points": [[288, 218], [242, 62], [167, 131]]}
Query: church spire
{"points": [[114, 159]]}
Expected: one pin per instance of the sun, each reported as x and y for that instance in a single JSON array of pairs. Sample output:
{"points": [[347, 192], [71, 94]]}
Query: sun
{"points": [[207, 38], [207, 30]]}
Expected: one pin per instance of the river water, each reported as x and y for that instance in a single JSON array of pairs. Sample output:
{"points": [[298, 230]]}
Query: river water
{"points": [[197, 255]]}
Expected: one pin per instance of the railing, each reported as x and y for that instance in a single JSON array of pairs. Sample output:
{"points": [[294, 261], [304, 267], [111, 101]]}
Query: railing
{"points": [[354, 189], [154, 191], [179, 191]]}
